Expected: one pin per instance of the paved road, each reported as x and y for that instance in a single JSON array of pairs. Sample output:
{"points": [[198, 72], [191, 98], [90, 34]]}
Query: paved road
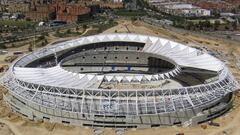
{"points": [[235, 36]]}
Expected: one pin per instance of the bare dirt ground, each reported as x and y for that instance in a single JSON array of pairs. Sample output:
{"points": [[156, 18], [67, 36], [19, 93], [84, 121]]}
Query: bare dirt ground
{"points": [[11, 124]]}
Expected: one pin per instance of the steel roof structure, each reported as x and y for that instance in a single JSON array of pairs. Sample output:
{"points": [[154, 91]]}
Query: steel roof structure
{"points": [[55, 87]]}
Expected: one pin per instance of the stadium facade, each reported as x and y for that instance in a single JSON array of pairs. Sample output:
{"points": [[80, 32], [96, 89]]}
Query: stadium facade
{"points": [[120, 81]]}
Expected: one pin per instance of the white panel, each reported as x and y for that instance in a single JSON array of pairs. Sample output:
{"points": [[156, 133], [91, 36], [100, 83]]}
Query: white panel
{"points": [[119, 78], [132, 37], [96, 39], [155, 76], [143, 38], [139, 77], [162, 76], [109, 78], [167, 75], [81, 76], [116, 38], [129, 78], [148, 77], [137, 39], [85, 41], [90, 77], [90, 38], [126, 38], [111, 37], [106, 38], [171, 74], [100, 77], [101, 37]]}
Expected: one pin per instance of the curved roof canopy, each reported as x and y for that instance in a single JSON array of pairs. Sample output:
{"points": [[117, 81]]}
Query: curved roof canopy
{"points": [[183, 56]]}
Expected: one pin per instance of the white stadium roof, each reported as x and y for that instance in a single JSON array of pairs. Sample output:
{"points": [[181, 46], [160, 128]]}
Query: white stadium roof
{"points": [[182, 55], [57, 88]]}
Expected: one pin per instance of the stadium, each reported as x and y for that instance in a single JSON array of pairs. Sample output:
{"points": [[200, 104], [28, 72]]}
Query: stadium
{"points": [[120, 81]]}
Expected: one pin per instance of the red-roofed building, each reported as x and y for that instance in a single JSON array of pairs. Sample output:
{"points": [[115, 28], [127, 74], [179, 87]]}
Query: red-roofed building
{"points": [[71, 12]]}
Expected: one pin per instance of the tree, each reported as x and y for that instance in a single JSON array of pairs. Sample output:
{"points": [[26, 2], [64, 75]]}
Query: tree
{"points": [[13, 45], [68, 31], [175, 23], [45, 34], [133, 19], [111, 21], [30, 48], [84, 26], [207, 24], [216, 24], [189, 25], [46, 41], [41, 37], [57, 32], [226, 28], [2, 46], [77, 28], [229, 37], [201, 25], [234, 25]]}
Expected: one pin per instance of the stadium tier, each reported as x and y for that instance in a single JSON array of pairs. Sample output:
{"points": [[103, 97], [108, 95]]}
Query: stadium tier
{"points": [[120, 81]]}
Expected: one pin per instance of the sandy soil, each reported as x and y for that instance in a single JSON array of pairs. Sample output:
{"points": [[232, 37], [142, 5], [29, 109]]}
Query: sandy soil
{"points": [[5, 130], [11, 124]]}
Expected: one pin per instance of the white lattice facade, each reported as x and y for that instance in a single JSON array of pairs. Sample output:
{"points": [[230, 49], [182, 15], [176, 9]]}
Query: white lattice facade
{"points": [[120, 80]]}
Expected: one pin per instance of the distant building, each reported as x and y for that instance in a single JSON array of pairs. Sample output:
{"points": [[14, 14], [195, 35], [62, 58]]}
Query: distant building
{"points": [[39, 12], [216, 5], [2, 8], [6, 16], [61, 10], [64, 10], [182, 9], [18, 7], [131, 5], [227, 14], [71, 12]]}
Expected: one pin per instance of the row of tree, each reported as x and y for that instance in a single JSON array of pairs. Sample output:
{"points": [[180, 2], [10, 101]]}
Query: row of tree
{"points": [[205, 25]]}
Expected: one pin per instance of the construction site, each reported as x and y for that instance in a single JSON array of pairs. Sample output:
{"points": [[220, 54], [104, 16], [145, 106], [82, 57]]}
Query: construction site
{"points": [[226, 50]]}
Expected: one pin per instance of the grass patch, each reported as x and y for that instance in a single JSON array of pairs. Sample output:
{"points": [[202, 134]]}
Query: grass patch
{"points": [[67, 33], [19, 23], [122, 12], [104, 26]]}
